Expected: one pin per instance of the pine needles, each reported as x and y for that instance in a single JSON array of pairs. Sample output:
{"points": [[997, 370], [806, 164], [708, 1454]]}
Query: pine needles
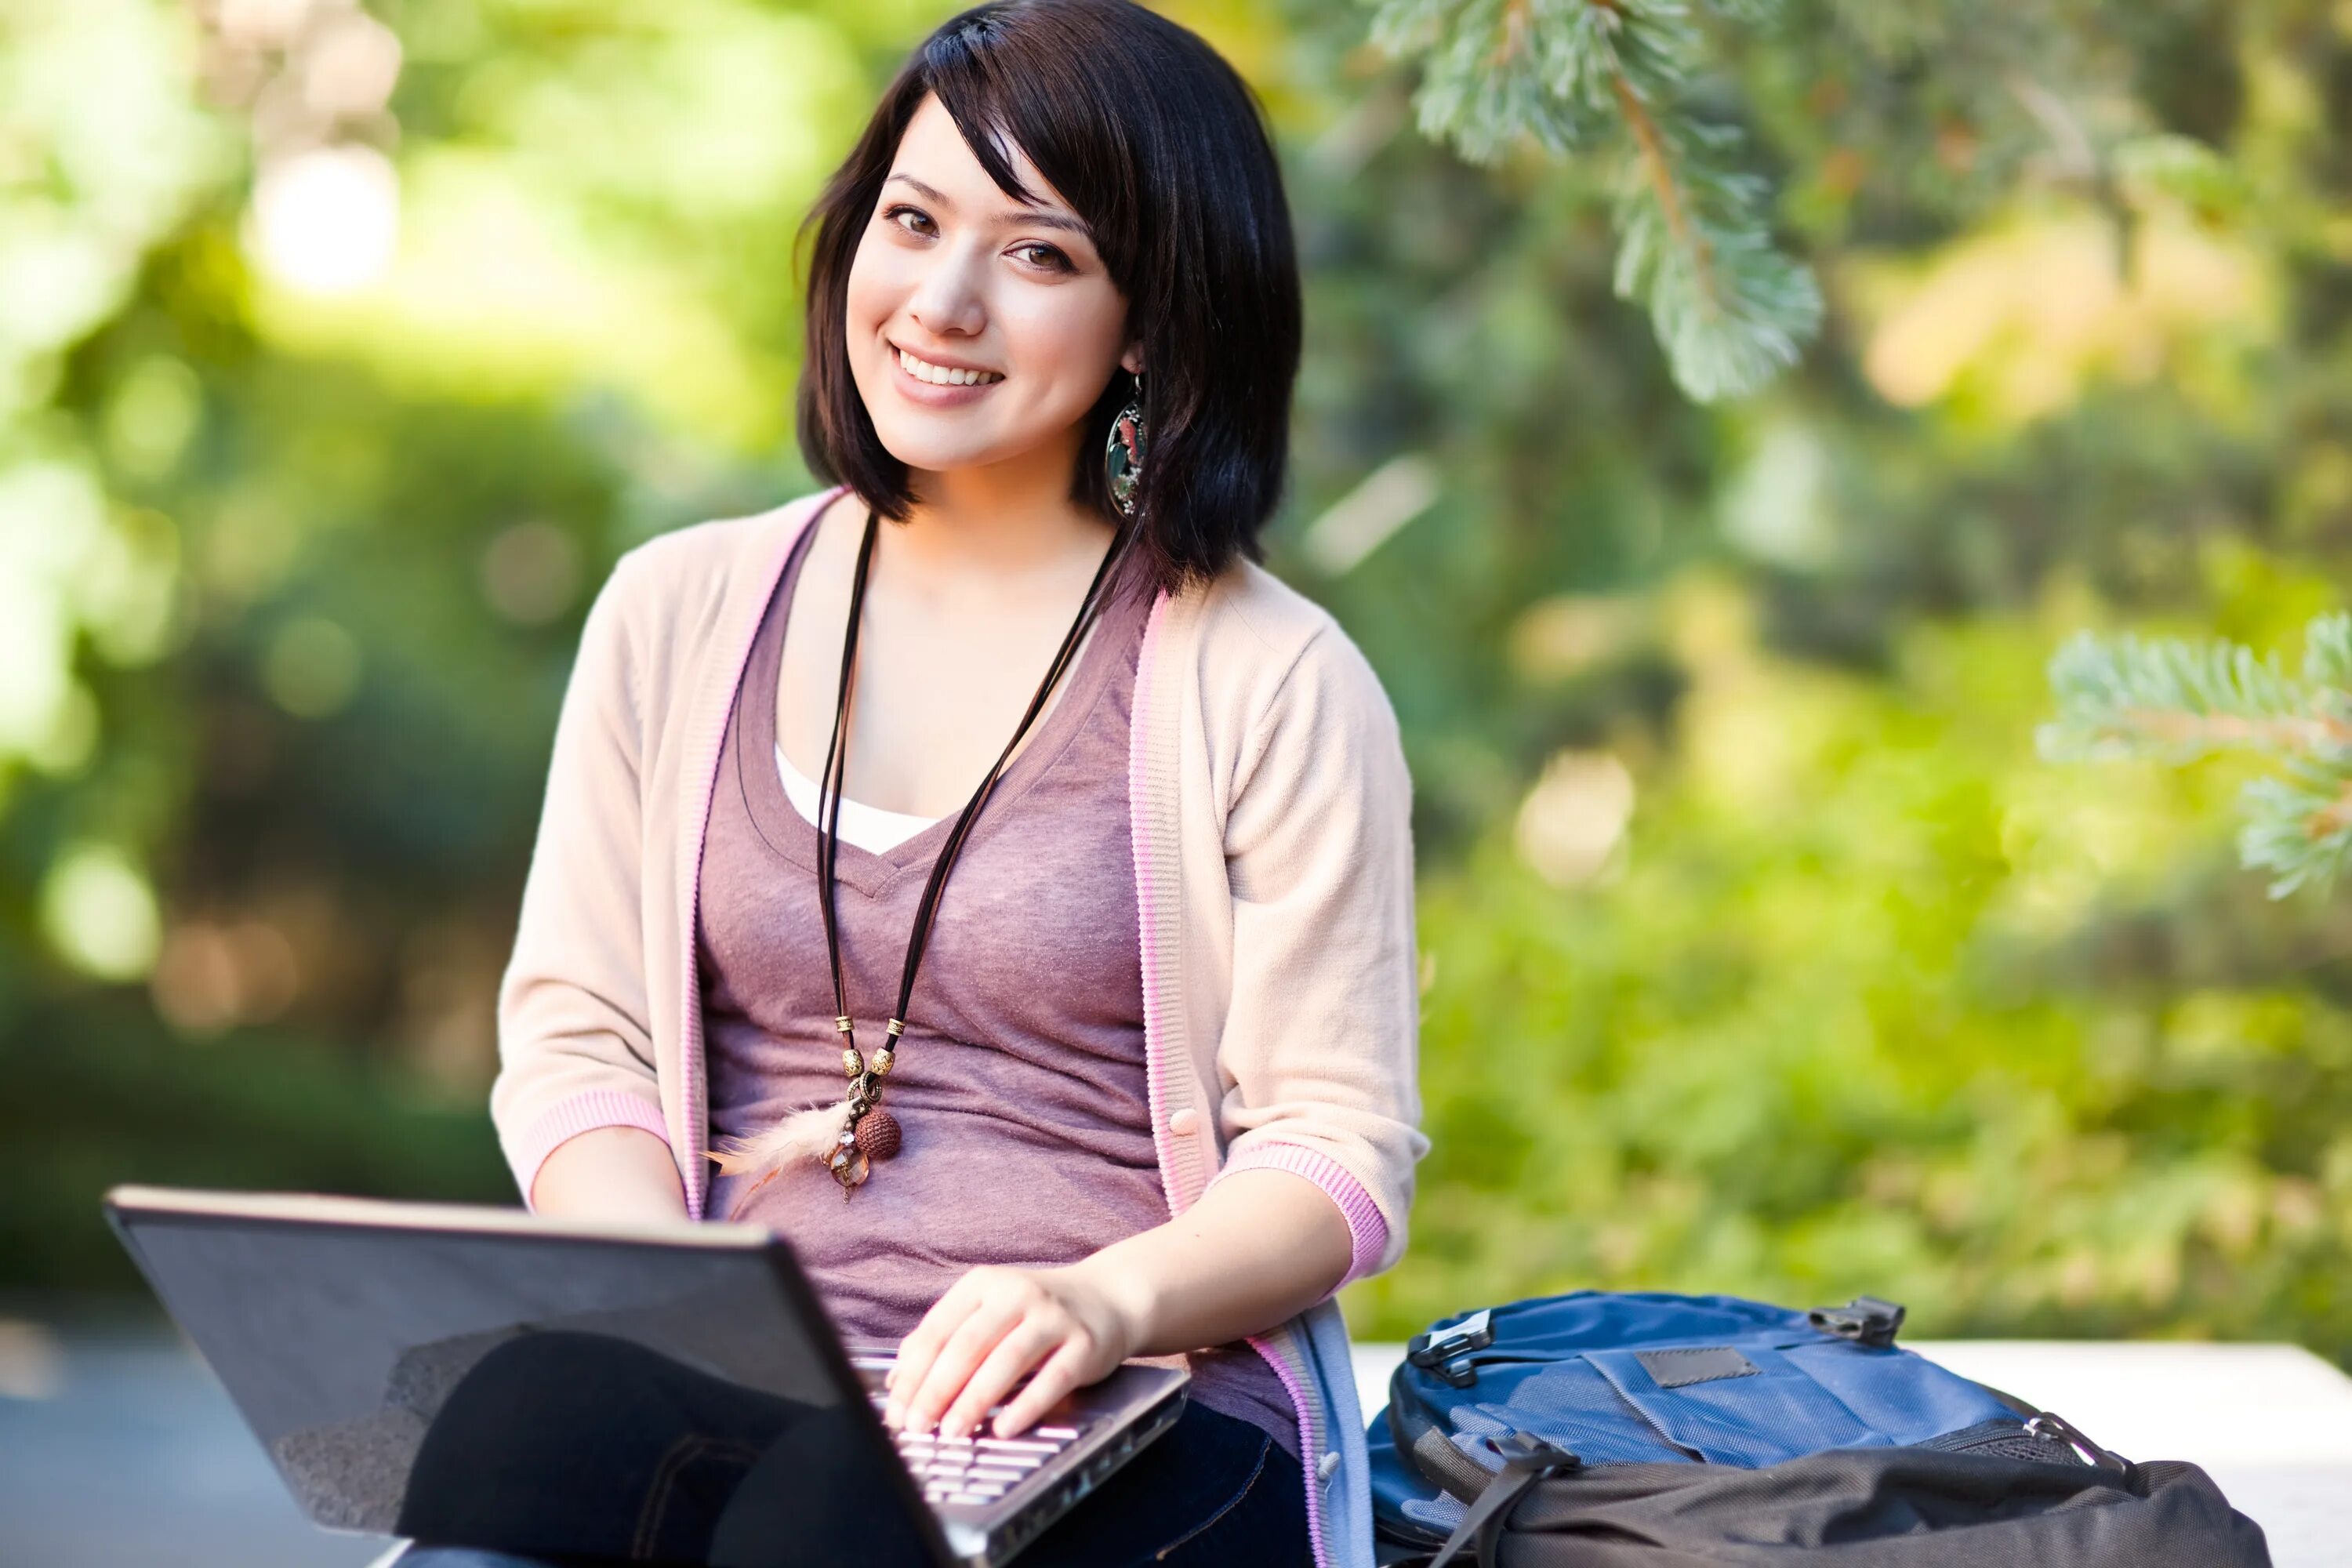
{"points": [[1609, 77], [2176, 700]]}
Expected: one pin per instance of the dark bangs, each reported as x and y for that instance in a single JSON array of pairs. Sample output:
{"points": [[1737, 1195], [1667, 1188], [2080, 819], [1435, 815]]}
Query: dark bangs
{"points": [[1158, 144]]}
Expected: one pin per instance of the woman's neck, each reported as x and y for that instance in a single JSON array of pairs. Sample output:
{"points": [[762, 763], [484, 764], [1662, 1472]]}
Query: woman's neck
{"points": [[994, 530]]}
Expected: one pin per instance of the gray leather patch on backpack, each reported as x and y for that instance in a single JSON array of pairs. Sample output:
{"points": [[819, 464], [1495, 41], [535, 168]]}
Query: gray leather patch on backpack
{"points": [[1680, 1369]]}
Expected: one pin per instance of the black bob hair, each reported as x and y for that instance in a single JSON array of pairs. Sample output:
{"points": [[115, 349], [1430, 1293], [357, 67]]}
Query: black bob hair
{"points": [[1158, 144]]}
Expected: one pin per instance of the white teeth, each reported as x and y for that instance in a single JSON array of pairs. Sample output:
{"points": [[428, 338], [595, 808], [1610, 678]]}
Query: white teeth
{"points": [[941, 375]]}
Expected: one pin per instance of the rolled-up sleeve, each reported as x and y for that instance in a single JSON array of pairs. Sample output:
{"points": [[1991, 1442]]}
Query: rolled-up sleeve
{"points": [[1320, 1048]]}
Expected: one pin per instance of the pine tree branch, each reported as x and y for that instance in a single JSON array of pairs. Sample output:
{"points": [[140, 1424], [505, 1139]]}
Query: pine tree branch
{"points": [[1515, 33], [1695, 245], [1660, 168], [2300, 827], [2178, 700], [2333, 818], [2230, 731], [1649, 145]]}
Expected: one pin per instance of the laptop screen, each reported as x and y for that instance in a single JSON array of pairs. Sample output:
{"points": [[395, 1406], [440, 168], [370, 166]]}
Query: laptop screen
{"points": [[549, 1394]]}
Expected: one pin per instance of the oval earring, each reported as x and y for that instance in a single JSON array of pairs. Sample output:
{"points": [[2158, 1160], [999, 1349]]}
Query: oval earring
{"points": [[1123, 457]]}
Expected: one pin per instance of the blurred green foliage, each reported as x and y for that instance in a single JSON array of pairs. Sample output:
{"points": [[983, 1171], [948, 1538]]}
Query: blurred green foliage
{"points": [[342, 349]]}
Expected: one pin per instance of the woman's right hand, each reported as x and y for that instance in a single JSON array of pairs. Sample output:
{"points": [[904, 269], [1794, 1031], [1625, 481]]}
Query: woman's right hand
{"points": [[610, 1174]]}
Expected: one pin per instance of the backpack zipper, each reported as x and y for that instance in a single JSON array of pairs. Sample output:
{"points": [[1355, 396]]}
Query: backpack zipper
{"points": [[2057, 1428], [1999, 1430]]}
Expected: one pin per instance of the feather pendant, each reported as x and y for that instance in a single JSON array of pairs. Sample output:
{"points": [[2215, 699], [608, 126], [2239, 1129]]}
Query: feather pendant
{"points": [[810, 1135]]}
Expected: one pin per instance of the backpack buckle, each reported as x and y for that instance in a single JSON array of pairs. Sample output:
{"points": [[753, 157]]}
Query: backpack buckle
{"points": [[1437, 1353], [1866, 1319], [1529, 1451], [1474, 1333]]}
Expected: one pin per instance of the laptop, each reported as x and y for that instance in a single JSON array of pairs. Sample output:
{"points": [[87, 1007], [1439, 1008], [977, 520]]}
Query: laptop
{"points": [[476, 1376]]}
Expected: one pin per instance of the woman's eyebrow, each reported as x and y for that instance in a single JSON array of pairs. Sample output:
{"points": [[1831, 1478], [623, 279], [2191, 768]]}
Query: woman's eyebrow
{"points": [[1040, 217]]}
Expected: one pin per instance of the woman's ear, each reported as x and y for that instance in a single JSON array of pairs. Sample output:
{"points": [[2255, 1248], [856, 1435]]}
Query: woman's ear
{"points": [[1131, 360]]}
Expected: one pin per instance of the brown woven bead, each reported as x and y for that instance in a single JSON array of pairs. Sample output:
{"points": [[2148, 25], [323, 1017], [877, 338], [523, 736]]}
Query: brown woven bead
{"points": [[878, 1134]]}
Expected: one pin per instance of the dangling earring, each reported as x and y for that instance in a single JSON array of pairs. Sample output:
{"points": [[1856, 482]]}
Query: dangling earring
{"points": [[1124, 455]]}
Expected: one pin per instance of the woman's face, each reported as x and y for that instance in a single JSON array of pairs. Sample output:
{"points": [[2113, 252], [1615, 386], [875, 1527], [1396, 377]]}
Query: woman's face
{"points": [[952, 271]]}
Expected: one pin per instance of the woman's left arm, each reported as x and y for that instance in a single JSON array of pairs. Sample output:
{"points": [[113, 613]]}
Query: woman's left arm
{"points": [[1320, 1118], [1259, 1246]]}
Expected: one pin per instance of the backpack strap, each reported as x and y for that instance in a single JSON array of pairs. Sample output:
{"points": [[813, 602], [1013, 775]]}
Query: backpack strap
{"points": [[1526, 1459]]}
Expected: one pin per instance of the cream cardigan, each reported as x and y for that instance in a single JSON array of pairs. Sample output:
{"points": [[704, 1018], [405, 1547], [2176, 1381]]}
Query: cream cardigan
{"points": [[1270, 806]]}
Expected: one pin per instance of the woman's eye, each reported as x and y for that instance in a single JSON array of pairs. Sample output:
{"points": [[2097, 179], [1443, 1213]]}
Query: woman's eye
{"points": [[1047, 257], [918, 223]]}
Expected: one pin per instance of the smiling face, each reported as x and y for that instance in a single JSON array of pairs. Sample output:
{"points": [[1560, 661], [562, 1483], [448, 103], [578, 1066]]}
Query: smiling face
{"points": [[955, 283]]}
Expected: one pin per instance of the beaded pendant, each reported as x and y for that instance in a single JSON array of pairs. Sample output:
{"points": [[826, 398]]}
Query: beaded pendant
{"points": [[867, 1133]]}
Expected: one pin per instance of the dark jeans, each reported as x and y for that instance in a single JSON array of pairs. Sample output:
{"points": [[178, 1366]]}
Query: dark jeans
{"points": [[569, 1426]]}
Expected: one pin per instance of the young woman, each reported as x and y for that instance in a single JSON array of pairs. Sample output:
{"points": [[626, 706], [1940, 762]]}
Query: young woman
{"points": [[982, 872]]}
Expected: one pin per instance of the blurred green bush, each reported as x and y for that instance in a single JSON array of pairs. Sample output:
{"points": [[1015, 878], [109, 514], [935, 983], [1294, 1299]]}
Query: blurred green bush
{"points": [[1863, 1001], [343, 348]]}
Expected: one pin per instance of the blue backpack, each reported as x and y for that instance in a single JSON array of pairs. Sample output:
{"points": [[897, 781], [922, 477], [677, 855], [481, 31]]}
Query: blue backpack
{"points": [[1645, 1430]]}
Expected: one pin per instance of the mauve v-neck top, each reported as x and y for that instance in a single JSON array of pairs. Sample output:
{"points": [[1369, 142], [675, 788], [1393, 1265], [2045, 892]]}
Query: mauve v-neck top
{"points": [[1020, 1082]]}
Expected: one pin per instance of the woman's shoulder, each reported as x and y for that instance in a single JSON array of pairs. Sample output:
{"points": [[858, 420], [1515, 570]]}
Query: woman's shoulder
{"points": [[678, 579], [1247, 605], [1264, 644]]}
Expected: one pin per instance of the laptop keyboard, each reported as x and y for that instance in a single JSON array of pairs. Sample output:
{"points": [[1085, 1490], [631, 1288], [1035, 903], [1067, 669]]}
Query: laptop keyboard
{"points": [[978, 1468]]}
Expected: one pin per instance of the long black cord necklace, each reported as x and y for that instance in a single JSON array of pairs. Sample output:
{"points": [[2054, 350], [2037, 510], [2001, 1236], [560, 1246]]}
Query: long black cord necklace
{"points": [[868, 1133]]}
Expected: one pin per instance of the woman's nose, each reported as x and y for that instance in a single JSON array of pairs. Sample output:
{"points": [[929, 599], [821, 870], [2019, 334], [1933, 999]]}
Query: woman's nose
{"points": [[948, 301]]}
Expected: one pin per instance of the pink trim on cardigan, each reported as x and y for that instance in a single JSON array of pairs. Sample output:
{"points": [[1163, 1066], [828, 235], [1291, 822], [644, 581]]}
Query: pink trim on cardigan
{"points": [[583, 1112], [1310, 1444], [702, 770], [1154, 1070], [1369, 1231]]}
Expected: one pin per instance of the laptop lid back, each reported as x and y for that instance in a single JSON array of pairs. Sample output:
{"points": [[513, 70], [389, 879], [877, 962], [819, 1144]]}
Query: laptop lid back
{"points": [[483, 1377]]}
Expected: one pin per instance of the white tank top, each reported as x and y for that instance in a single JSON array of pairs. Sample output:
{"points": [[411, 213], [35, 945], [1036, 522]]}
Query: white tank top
{"points": [[867, 826]]}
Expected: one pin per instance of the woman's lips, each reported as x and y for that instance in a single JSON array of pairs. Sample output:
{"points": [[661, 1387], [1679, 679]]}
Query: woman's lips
{"points": [[930, 395]]}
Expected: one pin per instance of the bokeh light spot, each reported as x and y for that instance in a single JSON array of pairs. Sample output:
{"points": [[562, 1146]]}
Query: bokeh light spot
{"points": [[153, 415], [530, 572], [1575, 817], [325, 221], [312, 668], [99, 912]]}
